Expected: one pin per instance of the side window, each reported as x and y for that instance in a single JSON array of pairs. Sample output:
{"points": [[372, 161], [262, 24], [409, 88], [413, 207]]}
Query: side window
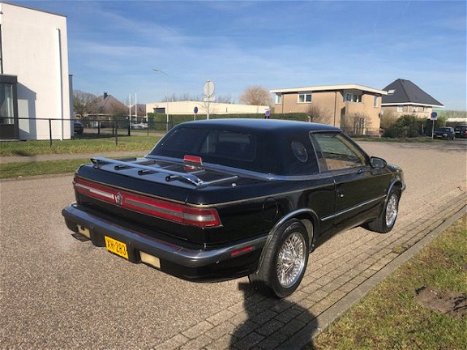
{"points": [[336, 152]]}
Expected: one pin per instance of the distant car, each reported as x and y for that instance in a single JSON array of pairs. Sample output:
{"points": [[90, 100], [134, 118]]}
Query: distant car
{"points": [[460, 131], [139, 126], [444, 133], [78, 127]]}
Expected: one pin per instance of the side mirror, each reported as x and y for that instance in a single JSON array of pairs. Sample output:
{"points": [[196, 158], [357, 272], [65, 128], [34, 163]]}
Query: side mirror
{"points": [[377, 163]]}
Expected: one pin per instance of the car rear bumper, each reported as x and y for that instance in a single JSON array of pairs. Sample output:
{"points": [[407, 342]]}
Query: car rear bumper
{"points": [[195, 264]]}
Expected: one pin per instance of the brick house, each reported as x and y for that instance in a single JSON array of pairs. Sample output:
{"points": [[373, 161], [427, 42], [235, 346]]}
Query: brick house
{"points": [[352, 107], [405, 97]]}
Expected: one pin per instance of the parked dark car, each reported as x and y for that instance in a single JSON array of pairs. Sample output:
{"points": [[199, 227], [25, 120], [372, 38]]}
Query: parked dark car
{"points": [[222, 199], [78, 127], [444, 133], [460, 131]]}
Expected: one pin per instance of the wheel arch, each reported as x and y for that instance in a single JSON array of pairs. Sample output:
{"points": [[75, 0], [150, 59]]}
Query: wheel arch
{"points": [[396, 184], [306, 216]]}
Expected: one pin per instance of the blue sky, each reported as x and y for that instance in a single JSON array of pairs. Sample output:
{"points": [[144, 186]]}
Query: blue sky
{"points": [[114, 45]]}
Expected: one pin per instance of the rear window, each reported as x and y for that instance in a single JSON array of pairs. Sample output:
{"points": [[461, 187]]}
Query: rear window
{"points": [[225, 147]]}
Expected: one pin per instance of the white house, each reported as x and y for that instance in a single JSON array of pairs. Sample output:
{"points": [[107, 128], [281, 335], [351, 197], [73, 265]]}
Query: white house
{"points": [[34, 79]]}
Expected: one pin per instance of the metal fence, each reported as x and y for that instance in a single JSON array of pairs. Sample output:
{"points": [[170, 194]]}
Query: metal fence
{"points": [[53, 129]]}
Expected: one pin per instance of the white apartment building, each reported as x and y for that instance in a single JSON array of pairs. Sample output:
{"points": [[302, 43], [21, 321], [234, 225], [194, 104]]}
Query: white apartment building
{"points": [[34, 79], [187, 108]]}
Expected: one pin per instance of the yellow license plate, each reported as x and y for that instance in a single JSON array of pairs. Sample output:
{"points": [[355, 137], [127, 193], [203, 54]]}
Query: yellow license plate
{"points": [[116, 247]]}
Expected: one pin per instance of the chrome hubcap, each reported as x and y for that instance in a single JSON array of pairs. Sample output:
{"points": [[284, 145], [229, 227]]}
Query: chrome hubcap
{"points": [[391, 211], [291, 260]]}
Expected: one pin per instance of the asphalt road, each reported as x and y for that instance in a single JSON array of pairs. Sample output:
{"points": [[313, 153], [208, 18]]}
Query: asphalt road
{"points": [[57, 292]]}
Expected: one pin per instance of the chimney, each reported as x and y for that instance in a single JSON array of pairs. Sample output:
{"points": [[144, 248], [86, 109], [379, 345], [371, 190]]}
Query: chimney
{"points": [[105, 95]]}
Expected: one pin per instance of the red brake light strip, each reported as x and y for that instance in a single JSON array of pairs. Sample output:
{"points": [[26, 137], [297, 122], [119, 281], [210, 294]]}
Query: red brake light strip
{"points": [[175, 212]]}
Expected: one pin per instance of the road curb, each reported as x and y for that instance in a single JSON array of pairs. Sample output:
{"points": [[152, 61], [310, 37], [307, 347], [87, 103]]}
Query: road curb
{"points": [[306, 334]]}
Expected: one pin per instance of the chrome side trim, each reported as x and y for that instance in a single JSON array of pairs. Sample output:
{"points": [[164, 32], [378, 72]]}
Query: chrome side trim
{"points": [[353, 208], [246, 173], [271, 195]]}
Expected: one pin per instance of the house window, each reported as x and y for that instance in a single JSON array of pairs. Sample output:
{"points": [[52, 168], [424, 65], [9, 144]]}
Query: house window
{"points": [[399, 109], [375, 101], [304, 98], [159, 110], [278, 99], [352, 97]]}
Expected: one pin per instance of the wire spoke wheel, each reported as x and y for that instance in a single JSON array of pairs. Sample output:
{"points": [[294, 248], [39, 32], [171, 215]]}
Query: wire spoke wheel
{"points": [[291, 260], [391, 210]]}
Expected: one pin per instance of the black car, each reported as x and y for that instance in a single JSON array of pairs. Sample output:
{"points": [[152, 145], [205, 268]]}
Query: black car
{"points": [[222, 199], [444, 133], [460, 131], [78, 127]]}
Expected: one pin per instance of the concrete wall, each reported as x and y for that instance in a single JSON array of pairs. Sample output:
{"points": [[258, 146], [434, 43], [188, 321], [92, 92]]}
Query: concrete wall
{"points": [[35, 49], [187, 107]]}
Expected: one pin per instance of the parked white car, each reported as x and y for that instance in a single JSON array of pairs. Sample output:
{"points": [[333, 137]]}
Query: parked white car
{"points": [[139, 126]]}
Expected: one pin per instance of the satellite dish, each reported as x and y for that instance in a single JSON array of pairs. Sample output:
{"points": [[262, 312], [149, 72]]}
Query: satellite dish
{"points": [[208, 88]]}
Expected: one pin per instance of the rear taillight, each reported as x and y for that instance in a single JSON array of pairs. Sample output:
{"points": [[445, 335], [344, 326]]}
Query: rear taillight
{"points": [[179, 213]]}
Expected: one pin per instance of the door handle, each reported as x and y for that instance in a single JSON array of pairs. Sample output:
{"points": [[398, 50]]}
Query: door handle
{"points": [[340, 194]]}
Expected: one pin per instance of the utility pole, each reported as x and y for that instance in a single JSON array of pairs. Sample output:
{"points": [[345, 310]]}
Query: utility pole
{"points": [[166, 97]]}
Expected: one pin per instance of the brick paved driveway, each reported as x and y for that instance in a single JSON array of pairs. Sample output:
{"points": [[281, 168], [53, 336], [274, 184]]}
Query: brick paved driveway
{"points": [[59, 293]]}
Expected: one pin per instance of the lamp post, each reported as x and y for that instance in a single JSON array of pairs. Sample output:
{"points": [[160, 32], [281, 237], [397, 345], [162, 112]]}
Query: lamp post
{"points": [[166, 96]]}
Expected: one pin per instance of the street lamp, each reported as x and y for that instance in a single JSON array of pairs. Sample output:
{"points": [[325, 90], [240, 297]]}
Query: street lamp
{"points": [[166, 96]]}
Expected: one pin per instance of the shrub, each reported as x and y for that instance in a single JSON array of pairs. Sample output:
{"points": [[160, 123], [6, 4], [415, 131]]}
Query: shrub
{"points": [[387, 119], [405, 126]]}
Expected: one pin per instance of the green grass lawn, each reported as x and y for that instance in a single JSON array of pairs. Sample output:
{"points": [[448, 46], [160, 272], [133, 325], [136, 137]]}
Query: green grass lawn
{"points": [[32, 148], [23, 169], [389, 317]]}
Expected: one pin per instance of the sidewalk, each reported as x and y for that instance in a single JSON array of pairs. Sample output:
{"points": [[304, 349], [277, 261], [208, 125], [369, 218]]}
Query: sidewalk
{"points": [[66, 156], [332, 284]]}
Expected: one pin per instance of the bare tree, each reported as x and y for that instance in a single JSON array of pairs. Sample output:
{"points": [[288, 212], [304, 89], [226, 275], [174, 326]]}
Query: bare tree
{"points": [[316, 114], [388, 118], [356, 124], [256, 95], [84, 102], [188, 97], [224, 99]]}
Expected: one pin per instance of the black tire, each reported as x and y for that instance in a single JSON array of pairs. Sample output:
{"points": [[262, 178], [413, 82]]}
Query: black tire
{"points": [[291, 234], [386, 220]]}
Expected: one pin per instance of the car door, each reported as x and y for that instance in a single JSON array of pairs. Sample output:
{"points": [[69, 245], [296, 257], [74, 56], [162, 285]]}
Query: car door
{"points": [[359, 188]]}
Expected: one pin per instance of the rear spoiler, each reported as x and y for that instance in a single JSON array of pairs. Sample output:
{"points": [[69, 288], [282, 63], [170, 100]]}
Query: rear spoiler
{"points": [[190, 177]]}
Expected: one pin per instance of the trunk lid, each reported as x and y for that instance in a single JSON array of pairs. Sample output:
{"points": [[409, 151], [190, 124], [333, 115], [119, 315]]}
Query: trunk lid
{"points": [[153, 193]]}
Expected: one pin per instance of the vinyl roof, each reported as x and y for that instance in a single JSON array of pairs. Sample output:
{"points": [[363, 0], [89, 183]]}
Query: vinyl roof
{"points": [[261, 124]]}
